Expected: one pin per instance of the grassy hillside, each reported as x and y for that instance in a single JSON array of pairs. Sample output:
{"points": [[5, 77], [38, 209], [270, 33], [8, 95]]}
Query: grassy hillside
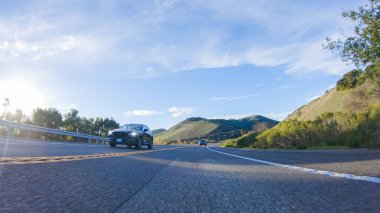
{"points": [[352, 100], [348, 115], [158, 131], [193, 129], [360, 129], [354, 93]]}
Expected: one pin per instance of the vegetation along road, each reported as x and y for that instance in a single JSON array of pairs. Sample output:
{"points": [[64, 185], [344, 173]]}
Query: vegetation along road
{"points": [[59, 177]]}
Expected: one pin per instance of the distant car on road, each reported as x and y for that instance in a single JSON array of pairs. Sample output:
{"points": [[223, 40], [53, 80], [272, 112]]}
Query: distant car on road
{"points": [[135, 135], [202, 142]]}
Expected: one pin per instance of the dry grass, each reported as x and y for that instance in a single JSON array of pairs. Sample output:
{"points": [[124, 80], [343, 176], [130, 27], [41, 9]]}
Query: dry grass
{"points": [[352, 100]]}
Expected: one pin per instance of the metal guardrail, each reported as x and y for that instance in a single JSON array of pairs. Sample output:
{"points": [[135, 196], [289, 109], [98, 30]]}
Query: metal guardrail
{"points": [[28, 127]]}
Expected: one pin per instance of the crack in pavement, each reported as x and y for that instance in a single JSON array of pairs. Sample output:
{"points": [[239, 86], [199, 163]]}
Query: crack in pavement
{"points": [[142, 187]]}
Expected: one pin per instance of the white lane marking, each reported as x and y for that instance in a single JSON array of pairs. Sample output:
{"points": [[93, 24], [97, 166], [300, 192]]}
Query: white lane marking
{"points": [[307, 170]]}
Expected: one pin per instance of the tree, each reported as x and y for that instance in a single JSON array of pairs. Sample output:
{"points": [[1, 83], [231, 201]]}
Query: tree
{"points": [[18, 116], [86, 125], [363, 48], [5, 107], [349, 80], [72, 121], [109, 124], [50, 118], [97, 126]]}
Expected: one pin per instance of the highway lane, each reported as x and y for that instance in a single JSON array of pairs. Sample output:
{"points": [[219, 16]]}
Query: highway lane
{"points": [[24, 148], [177, 179], [353, 161]]}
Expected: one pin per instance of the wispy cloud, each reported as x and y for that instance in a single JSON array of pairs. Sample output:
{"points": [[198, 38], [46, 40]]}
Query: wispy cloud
{"points": [[287, 86], [142, 112], [233, 98], [35, 50], [54, 32], [180, 111]]}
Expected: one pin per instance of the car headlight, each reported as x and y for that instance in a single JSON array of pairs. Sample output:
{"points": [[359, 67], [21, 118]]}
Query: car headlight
{"points": [[133, 134]]}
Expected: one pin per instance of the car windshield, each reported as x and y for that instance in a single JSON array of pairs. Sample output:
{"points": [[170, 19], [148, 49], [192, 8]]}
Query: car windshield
{"points": [[132, 127]]}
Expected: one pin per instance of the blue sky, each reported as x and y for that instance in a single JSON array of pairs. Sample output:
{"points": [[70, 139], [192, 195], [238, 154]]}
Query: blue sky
{"points": [[159, 62]]}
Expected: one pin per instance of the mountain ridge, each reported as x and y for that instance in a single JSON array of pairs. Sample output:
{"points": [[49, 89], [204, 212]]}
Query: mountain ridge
{"points": [[194, 128]]}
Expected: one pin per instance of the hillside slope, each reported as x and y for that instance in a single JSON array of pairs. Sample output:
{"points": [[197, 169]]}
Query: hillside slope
{"points": [[158, 131], [195, 128], [348, 101], [348, 115]]}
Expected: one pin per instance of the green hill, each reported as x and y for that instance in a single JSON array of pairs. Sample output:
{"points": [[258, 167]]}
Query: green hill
{"points": [[348, 115], [355, 95], [195, 128], [158, 131]]}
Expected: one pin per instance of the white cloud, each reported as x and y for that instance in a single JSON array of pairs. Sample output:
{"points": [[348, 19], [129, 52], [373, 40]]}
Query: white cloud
{"points": [[142, 112], [219, 98], [293, 47], [287, 86], [235, 98], [297, 58], [29, 51], [68, 42], [4, 45], [311, 57], [180, 111], [120, 42]]}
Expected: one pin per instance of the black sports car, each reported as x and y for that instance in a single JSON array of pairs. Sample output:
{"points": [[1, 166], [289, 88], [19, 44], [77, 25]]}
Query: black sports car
{"points": [[131, 135]]}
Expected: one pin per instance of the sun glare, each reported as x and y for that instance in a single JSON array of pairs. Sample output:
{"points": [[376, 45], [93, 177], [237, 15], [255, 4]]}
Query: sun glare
{"points": [[22, 94]]}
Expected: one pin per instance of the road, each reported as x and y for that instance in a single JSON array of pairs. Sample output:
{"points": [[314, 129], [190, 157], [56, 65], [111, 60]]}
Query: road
{"points": [[59, 177]]}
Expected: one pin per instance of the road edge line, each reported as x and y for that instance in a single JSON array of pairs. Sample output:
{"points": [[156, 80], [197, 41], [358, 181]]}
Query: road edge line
{"points": [[307, 170]]}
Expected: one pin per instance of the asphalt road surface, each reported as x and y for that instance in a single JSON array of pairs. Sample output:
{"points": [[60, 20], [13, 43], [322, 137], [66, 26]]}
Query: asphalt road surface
{"points": [[62, 177]]}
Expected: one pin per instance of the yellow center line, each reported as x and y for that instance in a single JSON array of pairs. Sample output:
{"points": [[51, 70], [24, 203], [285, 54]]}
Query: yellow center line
{"points": [[56, 159]]}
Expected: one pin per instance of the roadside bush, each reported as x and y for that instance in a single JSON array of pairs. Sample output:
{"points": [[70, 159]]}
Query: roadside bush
{"points": [[246, 140], [329, 129]]}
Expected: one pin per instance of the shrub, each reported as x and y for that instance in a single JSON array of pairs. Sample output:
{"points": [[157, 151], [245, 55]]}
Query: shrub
{"points": [[357, 77], [332, 129], [246, 140], [350, 80]]}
